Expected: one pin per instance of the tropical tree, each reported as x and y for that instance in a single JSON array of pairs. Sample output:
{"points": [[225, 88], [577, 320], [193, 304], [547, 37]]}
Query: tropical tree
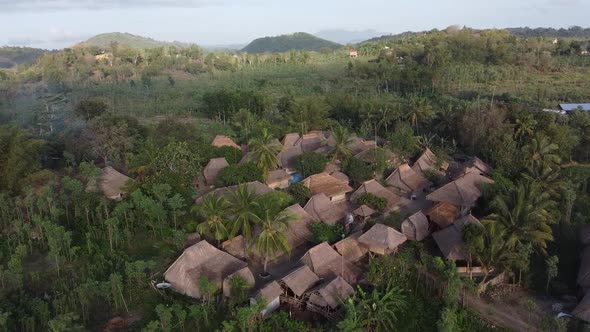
{"points": [[375, 311], [273, 236], [214, 210], [342, 141], [540, 154], [523, 213], [525, 126], [418, 111], [243, 205], [265, 152]]}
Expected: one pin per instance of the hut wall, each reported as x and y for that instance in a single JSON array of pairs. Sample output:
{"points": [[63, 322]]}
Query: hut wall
{"points": [[338, 198]]}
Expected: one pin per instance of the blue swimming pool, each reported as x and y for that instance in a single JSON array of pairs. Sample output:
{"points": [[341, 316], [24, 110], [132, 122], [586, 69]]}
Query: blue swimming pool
{"points": [[296, 177]]}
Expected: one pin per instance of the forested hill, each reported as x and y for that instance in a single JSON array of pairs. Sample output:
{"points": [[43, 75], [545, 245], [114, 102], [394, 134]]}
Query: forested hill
{"points": [[572, 32], [300, 41], [13, 56], [122, 38]]}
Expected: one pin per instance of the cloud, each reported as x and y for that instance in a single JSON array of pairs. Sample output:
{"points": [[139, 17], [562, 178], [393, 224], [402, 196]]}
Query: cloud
{"points": [[58, 5], [51, 36]]}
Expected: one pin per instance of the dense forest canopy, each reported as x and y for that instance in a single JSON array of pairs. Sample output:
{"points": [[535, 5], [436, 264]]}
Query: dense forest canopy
{"points": [[72, 259], [299, 41]]}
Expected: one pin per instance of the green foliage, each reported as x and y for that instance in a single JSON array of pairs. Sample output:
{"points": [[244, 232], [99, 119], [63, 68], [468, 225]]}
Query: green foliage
{"points": [[108, 40], [296, 41], [326, 233], [274, 201], [373, 201], [310, 163], [90, 108], [357, 170], [238, 174], [19, 157], [403, 141], [231, 155], [300, 193]]}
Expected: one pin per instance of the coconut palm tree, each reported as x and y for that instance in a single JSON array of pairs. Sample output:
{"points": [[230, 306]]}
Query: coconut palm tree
{"points": [[488, 246], [540, 154], [214, 210], [273, 236], [419, 110], [525, 126], [523, 215], [376, 311], [242, 209], [342, 141], [265, 151]]}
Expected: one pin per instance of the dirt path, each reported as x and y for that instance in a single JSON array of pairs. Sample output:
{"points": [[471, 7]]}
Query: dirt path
{"points": [[503, 316]]}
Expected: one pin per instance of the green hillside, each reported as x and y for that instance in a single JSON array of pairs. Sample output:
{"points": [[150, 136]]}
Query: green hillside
{"points": [[138, 42], [296, 41], [13, 56]]}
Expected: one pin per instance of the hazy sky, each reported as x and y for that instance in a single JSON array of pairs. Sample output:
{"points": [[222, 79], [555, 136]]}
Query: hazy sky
{"points": [[60, 23]]}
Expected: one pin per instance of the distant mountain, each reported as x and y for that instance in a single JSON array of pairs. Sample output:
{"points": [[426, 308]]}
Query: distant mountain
{"points": [[13, 56], [138, 42], [284, 43], [223, 47], [348, 36]]}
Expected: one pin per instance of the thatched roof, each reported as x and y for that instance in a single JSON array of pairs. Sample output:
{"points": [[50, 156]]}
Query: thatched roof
{"points": [[476, 165], [256, 186], [359, 145], [415, 227], [288, 157], [300, 280], [443, 214], [584, 270], [320, 208], [351, 249], [222, 140], [364, 211], [331, 293], [450, 243], [405, 180], [428, 163], [326, 262], [244, 273], [373, 187], [214, 166], [341, 176], [464, 221], [382, 236], [369, 156], [332, 167], [290, 140], [270, 292], [312, 141], [326, 184], [111, 183], [277, 176], [582, 310], [235, 246], [464, 191], [201, 260]]}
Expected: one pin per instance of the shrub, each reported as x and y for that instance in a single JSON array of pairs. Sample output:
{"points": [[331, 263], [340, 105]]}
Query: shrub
{"points": [[357, 170], [373, 201], [301, 194], [310, 163], [274, 201], [238, 174], [323, 232], [231, 155]]}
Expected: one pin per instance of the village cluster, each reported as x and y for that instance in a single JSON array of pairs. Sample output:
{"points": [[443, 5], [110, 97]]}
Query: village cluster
{"points": [[318, 278]]}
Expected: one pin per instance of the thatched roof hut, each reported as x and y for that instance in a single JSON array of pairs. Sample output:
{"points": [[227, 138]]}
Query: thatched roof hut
{"points": [[415, 227], [201, 260], [358, 145], [443, 214], [328, 185], [300, 280], [364, 211], [214, 166], [582, 310], [270, 293], [476, 165], [288, 158], [464, 191], [290, 140], [331, 293], [245, 273], [222, 140], [382, 239], [351, 249], [236, 246], [320, 208], [372, 156], [450, 239], [341, 176], [111, 183], [428, 162], [394, 202], [278, 179], [406, 181], [326, 262], [332, 167]]}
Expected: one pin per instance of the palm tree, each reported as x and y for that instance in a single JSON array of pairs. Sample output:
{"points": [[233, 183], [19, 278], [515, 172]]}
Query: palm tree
{"points": [[273, 238], [243, 205], [342, 141], [525, 126], [492, 251], [523, 215], [214, 210], [540, 153], [265, 152], [375, 311], [419, 110]]}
